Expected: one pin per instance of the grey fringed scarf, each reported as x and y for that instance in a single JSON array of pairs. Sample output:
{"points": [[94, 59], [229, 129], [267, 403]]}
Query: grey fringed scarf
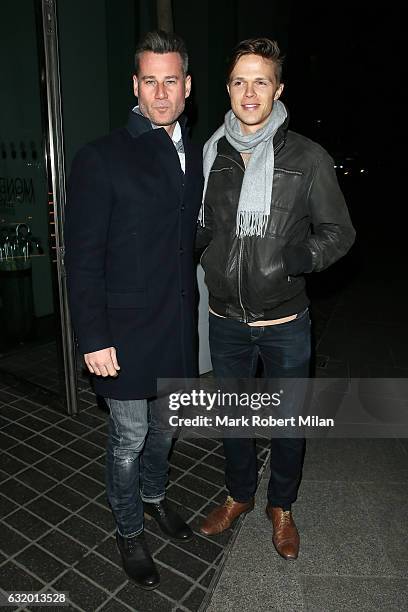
{"points": [[255, 198]]}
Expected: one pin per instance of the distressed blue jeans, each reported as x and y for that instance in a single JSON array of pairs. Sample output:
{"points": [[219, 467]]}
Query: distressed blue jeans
{"points": [[136, 461], [285, 351]]}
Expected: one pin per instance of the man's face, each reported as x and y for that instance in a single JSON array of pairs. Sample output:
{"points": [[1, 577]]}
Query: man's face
{"points": [[253, 88], [161, 88]]}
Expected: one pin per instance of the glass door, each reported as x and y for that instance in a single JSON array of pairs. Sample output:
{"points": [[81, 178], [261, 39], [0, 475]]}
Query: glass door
{"points": [[33, 332]]}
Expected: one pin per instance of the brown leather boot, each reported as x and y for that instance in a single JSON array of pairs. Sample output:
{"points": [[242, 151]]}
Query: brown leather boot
{"points": [[223, 516], [285, 536]]}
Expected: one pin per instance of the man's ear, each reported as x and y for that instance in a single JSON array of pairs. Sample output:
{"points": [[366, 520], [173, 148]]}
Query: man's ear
{"points": [[278, 92], [135, 86], [187, 85]]}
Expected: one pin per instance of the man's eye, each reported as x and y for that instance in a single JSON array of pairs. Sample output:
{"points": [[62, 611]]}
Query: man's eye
{"points": [[170, 82], [237, 83], [262, 83], [150, 82]]}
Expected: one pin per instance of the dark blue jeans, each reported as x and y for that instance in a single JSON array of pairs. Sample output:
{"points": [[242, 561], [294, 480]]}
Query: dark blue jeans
{"points": [[285, 353], [136, 461]]}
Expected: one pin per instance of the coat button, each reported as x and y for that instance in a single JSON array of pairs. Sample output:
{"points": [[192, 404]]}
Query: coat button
{"points": [[183, 293], [182, 207], [181, 250]]}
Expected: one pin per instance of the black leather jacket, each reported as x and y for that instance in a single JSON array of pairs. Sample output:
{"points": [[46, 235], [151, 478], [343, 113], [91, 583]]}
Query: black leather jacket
{"points": [[253, 278]]}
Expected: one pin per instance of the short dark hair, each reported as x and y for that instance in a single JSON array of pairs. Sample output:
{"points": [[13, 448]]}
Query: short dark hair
{"points": [[159, 41], [265, 47]]}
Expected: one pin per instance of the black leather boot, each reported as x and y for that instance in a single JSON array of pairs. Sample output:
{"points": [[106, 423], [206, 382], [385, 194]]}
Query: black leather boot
{"points": [[137, 561], [171, 524]]}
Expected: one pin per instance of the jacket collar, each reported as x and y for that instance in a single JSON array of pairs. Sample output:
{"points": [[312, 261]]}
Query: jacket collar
{"points": [[280, 136], [138, 124]]}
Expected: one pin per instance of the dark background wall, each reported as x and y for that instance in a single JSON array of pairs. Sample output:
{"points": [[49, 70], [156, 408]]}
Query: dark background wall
{"points": [[346, 65], [97, 41], [343, 69], [211, 29]]}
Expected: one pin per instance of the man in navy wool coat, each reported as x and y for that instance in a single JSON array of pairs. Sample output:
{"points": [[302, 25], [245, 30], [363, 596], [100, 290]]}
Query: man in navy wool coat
{"points": [[133, 201]]}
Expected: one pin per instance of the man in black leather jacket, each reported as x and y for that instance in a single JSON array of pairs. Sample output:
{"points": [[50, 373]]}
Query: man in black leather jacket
{"points": [[272, 211]]}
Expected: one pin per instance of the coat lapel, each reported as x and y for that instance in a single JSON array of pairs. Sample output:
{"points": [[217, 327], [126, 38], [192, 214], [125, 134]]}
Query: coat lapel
{"points": [[164, 150], [168, 159], [188, 150]]}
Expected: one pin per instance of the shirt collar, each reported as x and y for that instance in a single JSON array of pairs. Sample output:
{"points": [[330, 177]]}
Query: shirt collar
{"points": [[176, 137]]}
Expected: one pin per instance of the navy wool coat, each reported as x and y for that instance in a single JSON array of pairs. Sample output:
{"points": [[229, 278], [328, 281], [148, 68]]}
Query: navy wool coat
{"points": [[129, 233]]}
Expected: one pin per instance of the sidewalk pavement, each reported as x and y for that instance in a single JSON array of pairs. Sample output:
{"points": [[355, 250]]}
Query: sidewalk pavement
{"points": [[352, 517]]}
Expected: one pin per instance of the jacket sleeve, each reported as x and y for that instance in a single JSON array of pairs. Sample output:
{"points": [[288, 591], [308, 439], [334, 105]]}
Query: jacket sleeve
{"points": [[332, 231], [87, 219]]}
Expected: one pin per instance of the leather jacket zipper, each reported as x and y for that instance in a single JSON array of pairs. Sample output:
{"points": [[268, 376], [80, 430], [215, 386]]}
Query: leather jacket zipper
{"points": [[241, 244], [241, 248]]}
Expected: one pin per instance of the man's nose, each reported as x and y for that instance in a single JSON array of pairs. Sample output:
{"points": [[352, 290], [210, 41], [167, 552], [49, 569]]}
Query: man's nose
{"points": [[249, 91], [160, 91]]}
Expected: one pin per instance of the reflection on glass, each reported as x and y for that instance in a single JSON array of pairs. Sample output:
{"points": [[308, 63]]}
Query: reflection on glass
{"points": [[28, 311]]}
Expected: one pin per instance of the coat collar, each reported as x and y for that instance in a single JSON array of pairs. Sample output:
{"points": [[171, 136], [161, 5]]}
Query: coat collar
{"points": [[166, 151], [138, 125]]}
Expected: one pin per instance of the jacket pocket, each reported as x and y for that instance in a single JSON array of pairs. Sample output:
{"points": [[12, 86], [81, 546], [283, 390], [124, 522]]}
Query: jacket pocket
{"points": [[136, 299]]}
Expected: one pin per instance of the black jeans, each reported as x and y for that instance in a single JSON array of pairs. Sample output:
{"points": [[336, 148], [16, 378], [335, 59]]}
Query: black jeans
{"points": [[285, 353]]}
